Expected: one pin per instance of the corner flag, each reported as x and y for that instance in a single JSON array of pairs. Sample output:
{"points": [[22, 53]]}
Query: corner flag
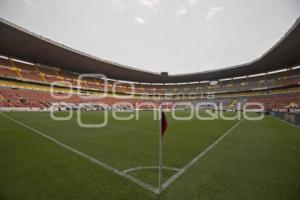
{"points": [[164, 123]]}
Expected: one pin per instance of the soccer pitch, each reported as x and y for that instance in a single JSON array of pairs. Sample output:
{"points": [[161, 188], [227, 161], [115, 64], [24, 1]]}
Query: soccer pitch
{"points": [[41, 158]]}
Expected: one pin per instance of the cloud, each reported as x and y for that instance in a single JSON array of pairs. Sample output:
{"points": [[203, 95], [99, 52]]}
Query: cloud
{"points": [[216, 8], [148, 3], [193, 2], [209, 15], [212, 12], [181, 11], [29, 3], [139, 20], [118, 4]]}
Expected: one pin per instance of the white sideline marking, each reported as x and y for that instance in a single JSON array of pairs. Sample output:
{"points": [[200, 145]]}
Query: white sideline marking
{"points": [[90, 158], [192, 162], [286, 122], [149, 167]]}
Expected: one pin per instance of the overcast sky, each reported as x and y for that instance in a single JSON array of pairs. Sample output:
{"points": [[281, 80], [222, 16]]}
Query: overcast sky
{"points": [[178, 36]]}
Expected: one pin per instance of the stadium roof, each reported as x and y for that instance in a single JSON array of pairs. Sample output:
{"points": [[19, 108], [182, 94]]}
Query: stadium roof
{"points": [[22, 44]]}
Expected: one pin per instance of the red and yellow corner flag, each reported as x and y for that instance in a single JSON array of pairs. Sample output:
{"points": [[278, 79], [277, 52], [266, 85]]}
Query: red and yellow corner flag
{"points": [[164, 123]]}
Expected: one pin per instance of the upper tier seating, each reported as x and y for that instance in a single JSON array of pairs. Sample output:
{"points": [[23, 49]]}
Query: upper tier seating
{"points": [[18, 70]]}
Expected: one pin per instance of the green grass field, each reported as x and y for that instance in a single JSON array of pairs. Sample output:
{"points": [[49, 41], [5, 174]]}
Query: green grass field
{"points": [[255, 160]]}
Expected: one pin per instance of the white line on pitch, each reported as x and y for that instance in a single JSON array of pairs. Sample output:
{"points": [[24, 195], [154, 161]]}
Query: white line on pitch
{"points": [[90, 158], [192, 162], [286, 122], [149, 167]]}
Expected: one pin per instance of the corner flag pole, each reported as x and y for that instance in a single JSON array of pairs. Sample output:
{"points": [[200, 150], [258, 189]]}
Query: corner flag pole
{"points": [[160, 163]]}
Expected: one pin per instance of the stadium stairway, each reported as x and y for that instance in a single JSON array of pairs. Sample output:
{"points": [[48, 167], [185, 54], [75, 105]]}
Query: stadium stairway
{"points": [[16, 69]]}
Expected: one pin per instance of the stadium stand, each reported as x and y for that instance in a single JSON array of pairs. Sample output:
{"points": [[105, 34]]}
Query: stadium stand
{"points": [[26, 76]]}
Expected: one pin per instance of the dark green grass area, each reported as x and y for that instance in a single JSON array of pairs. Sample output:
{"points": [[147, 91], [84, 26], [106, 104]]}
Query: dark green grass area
{"points": [[257, 160]]}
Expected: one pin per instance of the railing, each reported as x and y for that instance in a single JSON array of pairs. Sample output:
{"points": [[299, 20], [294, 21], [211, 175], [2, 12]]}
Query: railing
{"points": [[293, 118]]}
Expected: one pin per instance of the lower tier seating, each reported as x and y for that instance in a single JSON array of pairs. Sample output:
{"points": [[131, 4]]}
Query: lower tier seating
{"points": [[10, 97]]}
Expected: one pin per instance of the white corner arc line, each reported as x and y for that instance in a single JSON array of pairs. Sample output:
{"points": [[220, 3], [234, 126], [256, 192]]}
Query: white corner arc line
{"points": [[149, 167], [192, 162], [90, 158]]}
